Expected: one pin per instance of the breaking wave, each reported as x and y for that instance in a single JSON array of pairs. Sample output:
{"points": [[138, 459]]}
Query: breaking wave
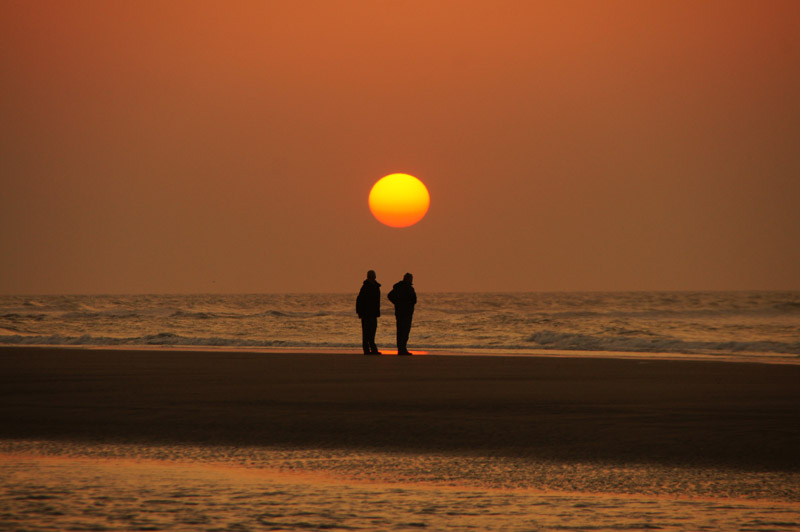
{"points": [[582, 342], [543, 340], [647, 322], [164, 339]]}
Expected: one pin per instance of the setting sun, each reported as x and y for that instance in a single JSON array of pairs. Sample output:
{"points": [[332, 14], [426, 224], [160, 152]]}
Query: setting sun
{"points": [[399, 200]]}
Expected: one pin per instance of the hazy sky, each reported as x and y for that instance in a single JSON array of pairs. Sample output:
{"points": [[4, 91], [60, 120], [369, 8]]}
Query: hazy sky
{"points": [[231, 146]]}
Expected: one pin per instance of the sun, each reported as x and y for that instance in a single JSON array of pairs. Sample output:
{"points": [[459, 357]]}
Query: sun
{"points": [[399, 200]]}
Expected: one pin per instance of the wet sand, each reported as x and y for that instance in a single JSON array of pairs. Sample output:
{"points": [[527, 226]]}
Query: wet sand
{"points": [[46, 493], [738, 415], [672, 413], [180, 440]]}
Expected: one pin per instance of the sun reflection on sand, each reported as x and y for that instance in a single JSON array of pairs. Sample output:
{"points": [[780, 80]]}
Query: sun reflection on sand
{"points": [[117, 489]]}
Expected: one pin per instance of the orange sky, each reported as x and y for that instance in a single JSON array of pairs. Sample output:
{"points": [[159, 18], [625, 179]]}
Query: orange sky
{"points": [[230, 147]]}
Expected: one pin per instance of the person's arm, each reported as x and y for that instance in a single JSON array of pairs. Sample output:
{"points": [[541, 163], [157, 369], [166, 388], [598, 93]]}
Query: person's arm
{"points": [[360, 302]]}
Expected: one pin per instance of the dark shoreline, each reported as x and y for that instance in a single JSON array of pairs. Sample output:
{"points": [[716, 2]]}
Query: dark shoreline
{"points": [[695, 413]]}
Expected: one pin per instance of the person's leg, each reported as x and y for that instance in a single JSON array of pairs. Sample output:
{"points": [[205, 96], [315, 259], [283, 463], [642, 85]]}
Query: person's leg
{"points": [[365, 335], [400, 344], [372, 327], [403, 330]]}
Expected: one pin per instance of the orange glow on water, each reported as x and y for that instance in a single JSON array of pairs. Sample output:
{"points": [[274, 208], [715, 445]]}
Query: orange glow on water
{"points": [[399, 200]]}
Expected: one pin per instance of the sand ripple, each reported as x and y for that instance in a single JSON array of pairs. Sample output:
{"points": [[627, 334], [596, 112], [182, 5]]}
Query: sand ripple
{"points": [[171, 488]]}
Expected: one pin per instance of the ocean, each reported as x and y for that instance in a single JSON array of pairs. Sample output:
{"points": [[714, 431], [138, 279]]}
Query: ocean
{"points": [[745, 325]]}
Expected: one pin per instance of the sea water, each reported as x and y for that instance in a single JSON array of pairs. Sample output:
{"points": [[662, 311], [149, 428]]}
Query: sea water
{"points": [[742, 324]]}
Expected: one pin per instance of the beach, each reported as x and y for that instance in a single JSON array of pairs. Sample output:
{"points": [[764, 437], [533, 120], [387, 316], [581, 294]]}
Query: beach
{"points": [[723, 435]]}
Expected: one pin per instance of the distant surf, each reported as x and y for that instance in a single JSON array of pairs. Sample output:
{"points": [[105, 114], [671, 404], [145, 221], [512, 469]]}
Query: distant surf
{"points": [[708, 323]]}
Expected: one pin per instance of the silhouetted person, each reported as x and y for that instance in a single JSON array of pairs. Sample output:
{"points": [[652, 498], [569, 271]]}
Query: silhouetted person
{"points": [[368, 307], [404, 298]]}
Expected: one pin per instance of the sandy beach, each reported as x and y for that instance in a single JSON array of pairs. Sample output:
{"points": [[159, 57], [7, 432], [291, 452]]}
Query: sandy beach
{"points": [[745, 416], [515, 427]]}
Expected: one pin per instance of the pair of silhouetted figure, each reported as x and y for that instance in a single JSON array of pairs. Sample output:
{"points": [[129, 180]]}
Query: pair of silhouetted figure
{"points": [[368, 308]]}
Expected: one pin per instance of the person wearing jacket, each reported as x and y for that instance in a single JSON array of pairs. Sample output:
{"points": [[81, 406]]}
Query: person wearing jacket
{"points": [[368, 308], [404, 298]]}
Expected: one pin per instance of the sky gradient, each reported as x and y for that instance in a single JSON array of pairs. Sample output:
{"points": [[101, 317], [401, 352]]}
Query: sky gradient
{"points": [[195, 147]]}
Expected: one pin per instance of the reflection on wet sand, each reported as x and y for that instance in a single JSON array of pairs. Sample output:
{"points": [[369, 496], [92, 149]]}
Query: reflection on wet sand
{"points": [[51, 487]]}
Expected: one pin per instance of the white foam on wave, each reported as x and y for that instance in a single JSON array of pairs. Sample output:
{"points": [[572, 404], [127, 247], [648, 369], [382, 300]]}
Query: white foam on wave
{"points": [[540, 341], [648, 322], [582, 342], [163, 339]]}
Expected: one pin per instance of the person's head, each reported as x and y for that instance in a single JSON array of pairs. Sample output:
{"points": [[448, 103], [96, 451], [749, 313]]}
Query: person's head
{"points": [[408, 278], [371, 275]]}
